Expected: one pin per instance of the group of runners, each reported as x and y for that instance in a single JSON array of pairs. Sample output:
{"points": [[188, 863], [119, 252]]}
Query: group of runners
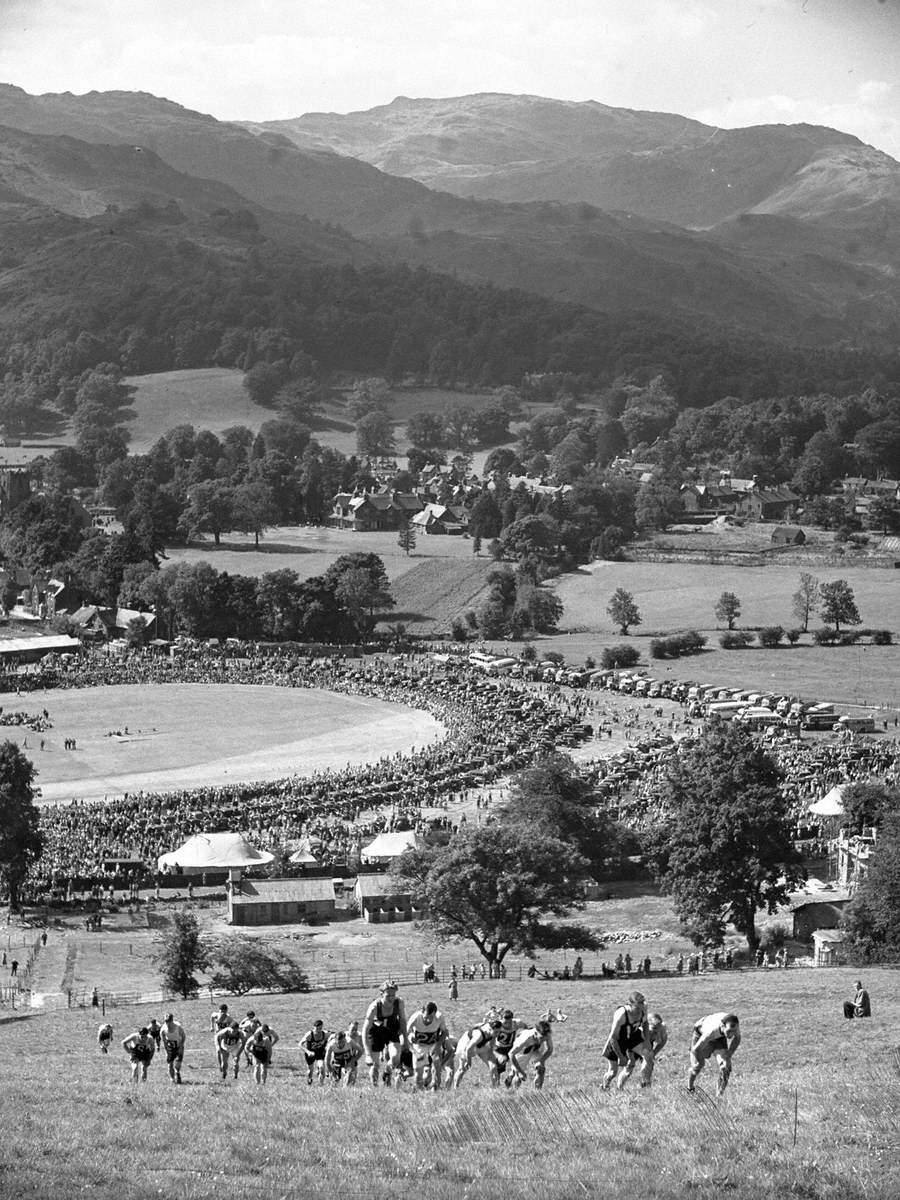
{"points": [[394, 1046]]}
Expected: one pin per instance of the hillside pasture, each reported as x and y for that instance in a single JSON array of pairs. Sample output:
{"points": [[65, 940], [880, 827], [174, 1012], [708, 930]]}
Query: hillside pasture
{"points": [[189, 735], [208, 398], [811, 1110]]}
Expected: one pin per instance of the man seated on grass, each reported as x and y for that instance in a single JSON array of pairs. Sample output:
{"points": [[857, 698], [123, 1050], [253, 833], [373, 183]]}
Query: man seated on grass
{"points": [[718, 1034], [860, 1005]]}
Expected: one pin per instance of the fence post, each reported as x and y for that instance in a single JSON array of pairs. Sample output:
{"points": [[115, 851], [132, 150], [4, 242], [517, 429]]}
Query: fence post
{"points": [[69, 1000]]}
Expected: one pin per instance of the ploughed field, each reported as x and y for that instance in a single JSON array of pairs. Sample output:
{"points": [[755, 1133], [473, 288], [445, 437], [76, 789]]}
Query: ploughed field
{"points": [[166, 736], [811, 1111]]}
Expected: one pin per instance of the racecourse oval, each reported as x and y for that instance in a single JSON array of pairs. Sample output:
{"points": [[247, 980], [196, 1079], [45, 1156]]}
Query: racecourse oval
{"points": [[196, 734]]}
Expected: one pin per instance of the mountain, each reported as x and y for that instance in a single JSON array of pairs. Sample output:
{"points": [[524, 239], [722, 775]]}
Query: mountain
{"points": [[656, 165], [119, 147]]}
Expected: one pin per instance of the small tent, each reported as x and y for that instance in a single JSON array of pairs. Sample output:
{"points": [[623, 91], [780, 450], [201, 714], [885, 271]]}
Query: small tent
{"points": [[831, 804], [213, 852]]}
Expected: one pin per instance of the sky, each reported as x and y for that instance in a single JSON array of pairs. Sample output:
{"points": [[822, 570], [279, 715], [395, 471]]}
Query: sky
{"points": [[726, 62]]}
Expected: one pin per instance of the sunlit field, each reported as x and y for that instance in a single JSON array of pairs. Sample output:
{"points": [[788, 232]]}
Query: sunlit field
{"points": [[812, 1109], [187, 735]]}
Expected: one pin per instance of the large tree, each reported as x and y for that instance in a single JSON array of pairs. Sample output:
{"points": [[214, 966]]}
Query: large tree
{"points": [[20, 836], [360, 583], [556, 798], [498, 886], [180, 952], [623, 610], [806, 598], [838, 604], [724, 848], [728, 608], [873, 916]]}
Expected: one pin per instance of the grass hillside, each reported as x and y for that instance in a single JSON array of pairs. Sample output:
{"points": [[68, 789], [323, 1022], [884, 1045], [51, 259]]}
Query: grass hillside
{"points": [[811, 1112], [430, 596], [212, 398]]}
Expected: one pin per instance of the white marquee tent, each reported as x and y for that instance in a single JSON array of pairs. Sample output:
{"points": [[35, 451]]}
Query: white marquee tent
{"points": [[388, 846], [831, 804], [213, 852]]}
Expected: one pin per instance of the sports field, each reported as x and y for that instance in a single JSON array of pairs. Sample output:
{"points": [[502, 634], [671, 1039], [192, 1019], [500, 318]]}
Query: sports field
{"points": [[160, 737]]}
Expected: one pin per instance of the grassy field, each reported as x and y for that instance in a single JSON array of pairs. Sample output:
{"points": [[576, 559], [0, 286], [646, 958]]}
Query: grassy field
{"points": [[73, 1122], [187, 735], [212, 398]]}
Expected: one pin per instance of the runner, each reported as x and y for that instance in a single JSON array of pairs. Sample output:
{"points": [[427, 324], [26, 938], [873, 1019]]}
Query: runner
{"points": [[655, 1037], [155, 1031], [532, 1047], [218, 1021], [229, 1041], [248, 1027], [718, 1034], [104, 1037], [342, 1058], [478, 1041], [141, 1047], [261, 1046], [314, 1044], [504, 1038], [173, 1044], [427, 1034], [627, 1033], [384, 1030]]}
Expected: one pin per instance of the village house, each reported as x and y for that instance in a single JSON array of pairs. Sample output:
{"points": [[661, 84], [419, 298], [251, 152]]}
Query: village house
{"points": [[379, 900], [374, 512], [788, 535], [442, 518]]}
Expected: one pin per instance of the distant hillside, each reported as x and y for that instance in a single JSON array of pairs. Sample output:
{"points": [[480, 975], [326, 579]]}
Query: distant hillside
{"points": [[611, 262]]}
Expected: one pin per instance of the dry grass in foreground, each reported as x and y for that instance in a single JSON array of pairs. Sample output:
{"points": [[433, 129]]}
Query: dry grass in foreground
{"points": [[73, 1122]]}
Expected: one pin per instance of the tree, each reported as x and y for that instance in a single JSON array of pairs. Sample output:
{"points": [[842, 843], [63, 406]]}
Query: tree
{"points": [[496, 886], [210, 509], [406, 538], [728, 608], [838, 604], [21, 841], [369, 396], [375, 435], [623, 611], [360, 583], [425, 429], [805, 600], [867, 803], [724, 849], [555, 797], [872, 918], [263, 381], [245, 963], [253, 507], [180, 953], [884, 514]]}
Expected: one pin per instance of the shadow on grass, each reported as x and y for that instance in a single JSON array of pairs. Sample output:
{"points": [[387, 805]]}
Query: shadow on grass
{"points": [[249, 547]]}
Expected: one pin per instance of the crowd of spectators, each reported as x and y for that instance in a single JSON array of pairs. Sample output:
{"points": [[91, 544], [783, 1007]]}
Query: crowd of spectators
{"points": [[492, 727]]}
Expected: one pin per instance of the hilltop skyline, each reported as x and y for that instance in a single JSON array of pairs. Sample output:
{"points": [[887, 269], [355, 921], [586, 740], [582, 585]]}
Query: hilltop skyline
{"points": [[824, 62]]}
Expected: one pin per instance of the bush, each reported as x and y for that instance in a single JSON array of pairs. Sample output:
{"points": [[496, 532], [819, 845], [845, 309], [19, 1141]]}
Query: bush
{"points": [[658, 648], [620, 656], [824, 637], [793, 636], [735, 639], [690, 642], [459, 631], [882, 637], [848, 637], [770, 636], [554, 657]]}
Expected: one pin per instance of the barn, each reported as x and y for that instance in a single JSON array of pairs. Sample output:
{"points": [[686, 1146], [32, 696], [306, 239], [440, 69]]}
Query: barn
{"points": [[379, 901], [788, 535], [280, 901]]}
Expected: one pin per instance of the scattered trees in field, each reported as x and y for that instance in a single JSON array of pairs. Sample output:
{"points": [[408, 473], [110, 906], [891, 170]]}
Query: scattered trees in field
{"points": [[500, 887], [180, 953], [806, 599], [838, 604], [724, 850], [727, 609], [244, 963], [623, 610], [21, 841]]}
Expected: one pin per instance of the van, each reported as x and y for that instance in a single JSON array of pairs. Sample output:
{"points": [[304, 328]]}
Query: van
{"points": [[725, 710], [860, 724]]}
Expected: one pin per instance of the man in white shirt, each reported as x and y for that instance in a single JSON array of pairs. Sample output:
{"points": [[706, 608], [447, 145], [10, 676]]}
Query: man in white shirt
{"points": [[426, 1033]]}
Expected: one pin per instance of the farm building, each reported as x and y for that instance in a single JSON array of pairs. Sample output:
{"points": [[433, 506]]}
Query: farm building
{"points": [[379, 900], [280, 901], [827, 945], [823, 912], [788, 535]]}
